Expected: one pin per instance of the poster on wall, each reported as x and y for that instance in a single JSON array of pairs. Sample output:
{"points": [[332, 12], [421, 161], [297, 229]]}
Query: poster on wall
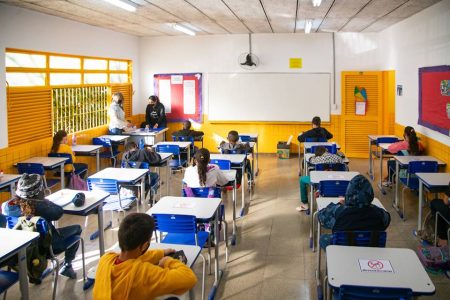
{"points": [[181, 95], [434, 98]]}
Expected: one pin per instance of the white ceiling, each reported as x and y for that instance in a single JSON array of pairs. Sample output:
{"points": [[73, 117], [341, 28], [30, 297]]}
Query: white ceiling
{"points": [[153, 17]]}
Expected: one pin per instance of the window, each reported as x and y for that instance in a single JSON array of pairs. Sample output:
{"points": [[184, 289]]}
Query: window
{"points": [[25, 79], [95, 64], [25, 60], [64, 62], [95, 78], [65, 78]]}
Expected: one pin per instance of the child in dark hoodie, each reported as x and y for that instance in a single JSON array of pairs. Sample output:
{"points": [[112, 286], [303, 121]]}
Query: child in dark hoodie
{"points": [[315, 133]]}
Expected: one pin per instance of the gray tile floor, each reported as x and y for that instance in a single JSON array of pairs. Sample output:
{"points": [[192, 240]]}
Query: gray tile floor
{"points": [[272, 259]]}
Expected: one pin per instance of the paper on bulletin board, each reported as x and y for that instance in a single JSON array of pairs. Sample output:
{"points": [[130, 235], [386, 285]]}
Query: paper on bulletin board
{"points": [[295, 63], [165, 94], [360, 108], [189, 97], [176, 79], [375, 265]]}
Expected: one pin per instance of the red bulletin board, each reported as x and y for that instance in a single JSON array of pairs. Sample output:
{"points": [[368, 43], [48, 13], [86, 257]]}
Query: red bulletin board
{"points": [[181, 94], [434, 98]]}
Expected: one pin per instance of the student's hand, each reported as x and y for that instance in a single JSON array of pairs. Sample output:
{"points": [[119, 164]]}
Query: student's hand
{"points": [[156, 125], [342, 200], [168, 251], [163, 260]]}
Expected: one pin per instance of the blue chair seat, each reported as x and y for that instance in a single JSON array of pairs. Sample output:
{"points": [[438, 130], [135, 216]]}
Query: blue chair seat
{"points": [[7, 279], [175, 164], [368, 293], [186, 239]]}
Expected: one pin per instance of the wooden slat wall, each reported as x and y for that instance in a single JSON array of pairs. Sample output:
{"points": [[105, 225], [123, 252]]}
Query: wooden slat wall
{"points": [[29, 114], [127, 91]]}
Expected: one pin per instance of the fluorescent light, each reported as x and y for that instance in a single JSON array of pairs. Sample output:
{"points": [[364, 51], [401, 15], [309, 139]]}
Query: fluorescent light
{"points": [[316, 3], [308, 26], [183, 29], [122, 4]]}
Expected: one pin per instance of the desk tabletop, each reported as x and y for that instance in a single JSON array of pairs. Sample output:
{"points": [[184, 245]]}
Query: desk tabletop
{"points": [[308, 145], [307, 156], [114, 138], [201, 208], [86, 148], [323, 202], [384, 146], [317, 176], [64, 198], [435, 179], [180, 144], [404, 160], [7, 179], [165, 156], [120, 174], [349, 265], [233, 158], [143, 132], [16, 239], [47, 162]]}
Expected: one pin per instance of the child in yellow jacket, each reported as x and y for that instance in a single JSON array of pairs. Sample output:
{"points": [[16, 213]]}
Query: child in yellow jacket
{"points": [[136, 273]]}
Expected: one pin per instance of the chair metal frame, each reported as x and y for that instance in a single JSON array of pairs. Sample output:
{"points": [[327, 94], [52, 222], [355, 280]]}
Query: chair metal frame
{"points": [[106, 144]]}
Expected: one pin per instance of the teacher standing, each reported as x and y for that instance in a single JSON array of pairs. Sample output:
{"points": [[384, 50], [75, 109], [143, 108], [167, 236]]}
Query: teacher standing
{"points": [[155, 114], [117, 121]]}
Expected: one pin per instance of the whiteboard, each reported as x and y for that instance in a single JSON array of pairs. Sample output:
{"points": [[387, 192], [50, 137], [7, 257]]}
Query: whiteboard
{"points": [[296, 97]]}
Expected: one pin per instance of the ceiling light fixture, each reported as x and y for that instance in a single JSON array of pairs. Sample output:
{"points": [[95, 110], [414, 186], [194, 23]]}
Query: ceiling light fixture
{"points": [[308, 26], [316, 3], [183, 29], [123, 4]]}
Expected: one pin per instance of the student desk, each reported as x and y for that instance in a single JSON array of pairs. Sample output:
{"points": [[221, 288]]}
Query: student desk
{"points": [[150, 136], [183, 145], [88, 150], [93, 204], [165, 158], [203, 209], [315, 178], [307, 146], [343, 265], [16, 242], [124, 176], [231, 176], [307, 157], [118, 139], [237, 162], [9, 179], [434, 182], [373, 141], [254, 138], [49, 163], [403, 161]]}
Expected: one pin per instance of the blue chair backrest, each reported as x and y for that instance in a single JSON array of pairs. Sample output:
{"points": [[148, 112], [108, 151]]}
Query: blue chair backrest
{"points": [[31, 168], [204, 192], [105, 142], [42, 225], [224, 164], [66, 155], [245, 138], [316, 140], [330, 148], [371, 293], [175, 223], [331, 167], [359, 238], [174, 149], [333, 188], [11, 222], [107, 185], [422, 166], [386, 140]]}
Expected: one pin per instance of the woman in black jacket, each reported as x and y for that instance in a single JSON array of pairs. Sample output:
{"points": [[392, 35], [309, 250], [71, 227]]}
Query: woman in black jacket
{"points": [[155, 114]]}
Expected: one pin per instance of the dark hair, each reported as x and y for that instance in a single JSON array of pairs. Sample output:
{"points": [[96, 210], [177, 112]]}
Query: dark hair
{"points": [[135, 230], [27, 207], [201, 159], [413, 143], [120, 95], [57, 138], [187, 124], [130, 146], [316, 121], [233, 136], [320, 150], [154, 98]]}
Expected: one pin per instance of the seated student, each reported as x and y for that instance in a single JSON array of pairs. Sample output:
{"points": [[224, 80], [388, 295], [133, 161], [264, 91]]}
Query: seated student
{"points": [[235, 145], [410, 145], [187, 131], [30, 194], [139, 273], [321, 156], [316, 132], [443, 207], [60, 145], [355, 212]]}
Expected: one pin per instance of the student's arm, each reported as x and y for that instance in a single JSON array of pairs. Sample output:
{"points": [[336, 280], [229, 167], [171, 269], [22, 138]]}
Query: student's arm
{"points": [[327, 216], [328, 134], [221, 178], [152, 256], [147, 114], [161, 114], [194, 133], [152, 157], [48, 210], [301, 138], [398, 146]]}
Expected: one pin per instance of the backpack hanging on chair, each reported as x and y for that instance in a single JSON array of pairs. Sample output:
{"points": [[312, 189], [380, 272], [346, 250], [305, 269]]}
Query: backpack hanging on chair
{"points": [[427, 233]]}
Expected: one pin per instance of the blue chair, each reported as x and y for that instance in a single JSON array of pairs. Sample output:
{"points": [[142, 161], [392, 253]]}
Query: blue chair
{"points": [[67, 162], [154, 187], [411, 181], [333, 188], [7, 280], [108, 151], [224, 164], [330, 148], [383, 140], [33, 168], [186, 139], [316, 140], [182, 230], [331, 167], [372, 293], [245, 138], [177, 163], [115, 202]]}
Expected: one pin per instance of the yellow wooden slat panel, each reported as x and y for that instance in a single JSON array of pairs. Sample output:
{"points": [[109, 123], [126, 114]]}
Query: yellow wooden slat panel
{"points": [[355, 136], [370, 83]]}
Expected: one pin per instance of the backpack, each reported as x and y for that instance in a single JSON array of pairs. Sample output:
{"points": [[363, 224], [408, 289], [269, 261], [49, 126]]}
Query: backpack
{"points": [[38, 251], [434, 259], [427, 233]]}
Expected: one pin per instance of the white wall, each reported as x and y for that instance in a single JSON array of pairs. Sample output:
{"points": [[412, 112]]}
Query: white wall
{"points": [[25, 29], [219, 54], [422, 40]]}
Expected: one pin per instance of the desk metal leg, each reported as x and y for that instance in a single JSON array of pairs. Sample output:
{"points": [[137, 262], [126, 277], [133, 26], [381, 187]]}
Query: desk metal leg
{"points": [[62, 176], [370, 173], [23, 277], [380, 184], [316, 220], [257, 158], [142, 190], [419, 217], [233, 237], [311, 227], [397, 184], [101, 238], [243, 190], [97, 154], [168, 177], [299, 161], [218, 273]]}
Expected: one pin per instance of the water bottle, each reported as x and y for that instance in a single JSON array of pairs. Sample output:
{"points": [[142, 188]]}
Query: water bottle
{"points": [[74, 140], [141, 144], [147, 128]]}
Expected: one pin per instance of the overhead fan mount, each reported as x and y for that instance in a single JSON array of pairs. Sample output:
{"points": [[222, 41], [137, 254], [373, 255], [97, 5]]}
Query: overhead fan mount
{"points": [[248, 61]]}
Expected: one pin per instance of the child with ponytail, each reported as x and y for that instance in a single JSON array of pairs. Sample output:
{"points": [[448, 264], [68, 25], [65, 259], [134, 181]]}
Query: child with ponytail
{"points": [[202, 174]]}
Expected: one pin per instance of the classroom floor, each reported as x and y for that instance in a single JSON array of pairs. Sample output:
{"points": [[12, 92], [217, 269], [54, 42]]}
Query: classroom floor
{"points": [[272, 258]]}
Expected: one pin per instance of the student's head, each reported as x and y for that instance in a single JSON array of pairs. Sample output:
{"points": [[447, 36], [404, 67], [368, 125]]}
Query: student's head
{"points": [[130, 146], [320, 150], [187, 125], [233, 136], [29, 189], [59, 138], [316, 122], [117, 98], [413, 144], [153, 100], [202, 159], [135, 232], [359, 192]]}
